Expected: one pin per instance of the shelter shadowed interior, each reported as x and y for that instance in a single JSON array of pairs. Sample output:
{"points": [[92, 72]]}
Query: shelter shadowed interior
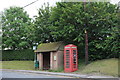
{"points": [[46, 60]]}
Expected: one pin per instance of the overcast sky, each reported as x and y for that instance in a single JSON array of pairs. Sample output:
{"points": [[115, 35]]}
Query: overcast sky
{"points": [[31, 9]]}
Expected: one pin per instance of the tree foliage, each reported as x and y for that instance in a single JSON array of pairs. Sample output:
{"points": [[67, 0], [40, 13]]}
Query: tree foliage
{"points": [[67, 22], [42, 25], [16, 28]]}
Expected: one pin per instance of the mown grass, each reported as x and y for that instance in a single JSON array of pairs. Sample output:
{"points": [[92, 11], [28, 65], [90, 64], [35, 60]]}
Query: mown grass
{"points": [[21, 65], [105, 67], [59, 70]]}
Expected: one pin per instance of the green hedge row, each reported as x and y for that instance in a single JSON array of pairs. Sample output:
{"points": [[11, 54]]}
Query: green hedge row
{"points": [[8, 55]]}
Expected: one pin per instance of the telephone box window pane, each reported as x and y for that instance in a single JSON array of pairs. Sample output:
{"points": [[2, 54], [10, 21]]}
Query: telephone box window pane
{"points": [[67, 66], [74, 62], [67, 61], [67, 51], [74, 51], [74, 58]]}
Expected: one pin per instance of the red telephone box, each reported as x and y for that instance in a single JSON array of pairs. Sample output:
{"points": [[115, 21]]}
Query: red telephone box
{"points": [[70, 58]]}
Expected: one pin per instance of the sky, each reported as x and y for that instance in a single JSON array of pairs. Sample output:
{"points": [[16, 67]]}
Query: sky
{"points": [[32, 9]]}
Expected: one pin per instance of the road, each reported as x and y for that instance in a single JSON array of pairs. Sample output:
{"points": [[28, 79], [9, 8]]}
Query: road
{"points": [[9, 74]]}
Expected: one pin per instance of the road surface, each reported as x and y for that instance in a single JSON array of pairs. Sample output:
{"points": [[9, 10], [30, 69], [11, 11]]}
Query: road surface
{"points": [[9, 74]]}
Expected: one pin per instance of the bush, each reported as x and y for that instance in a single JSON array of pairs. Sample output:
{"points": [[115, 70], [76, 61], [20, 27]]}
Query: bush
{"points": [[8, 55]]}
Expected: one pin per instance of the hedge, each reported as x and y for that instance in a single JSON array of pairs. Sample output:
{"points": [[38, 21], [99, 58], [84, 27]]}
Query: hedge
{"points": [[8, 55]]}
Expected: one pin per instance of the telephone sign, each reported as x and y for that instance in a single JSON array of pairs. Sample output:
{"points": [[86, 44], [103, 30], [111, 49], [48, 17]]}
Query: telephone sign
{"points": [[70, 58]]}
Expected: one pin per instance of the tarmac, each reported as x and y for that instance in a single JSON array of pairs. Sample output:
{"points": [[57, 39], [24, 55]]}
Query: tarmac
{"points": [[62, 74]]}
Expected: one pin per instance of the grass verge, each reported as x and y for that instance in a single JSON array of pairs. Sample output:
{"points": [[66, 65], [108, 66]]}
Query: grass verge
{"points": [[105, 67], [21, 65]]}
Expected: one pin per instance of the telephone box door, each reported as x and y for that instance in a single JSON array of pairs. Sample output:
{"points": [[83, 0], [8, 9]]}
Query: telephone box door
{"points": [[75, 59]]}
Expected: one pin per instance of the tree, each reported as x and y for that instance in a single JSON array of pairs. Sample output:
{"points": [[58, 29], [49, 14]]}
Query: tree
{"points": [[16, 26], [70, 20], [42, 25]]}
